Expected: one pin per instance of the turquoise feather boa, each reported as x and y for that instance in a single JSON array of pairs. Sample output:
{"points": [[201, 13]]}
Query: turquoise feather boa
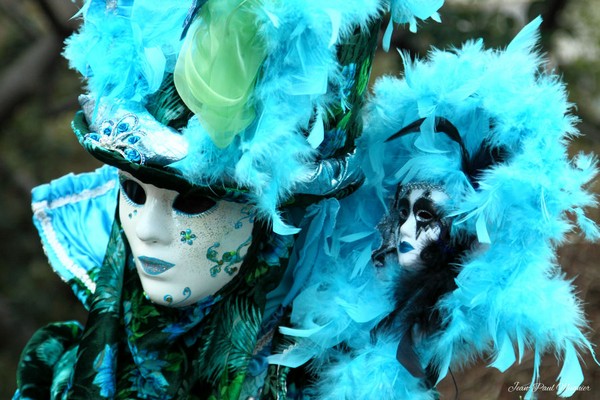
{"points": [[511, 293]]}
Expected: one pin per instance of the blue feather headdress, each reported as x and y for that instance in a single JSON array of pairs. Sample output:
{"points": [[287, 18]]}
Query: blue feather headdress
{"points": [[508, 294], [261, 91]]}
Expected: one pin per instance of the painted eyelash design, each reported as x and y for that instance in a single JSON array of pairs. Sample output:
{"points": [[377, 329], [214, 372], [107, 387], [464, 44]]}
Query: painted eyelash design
{"points": [[197, 215]]}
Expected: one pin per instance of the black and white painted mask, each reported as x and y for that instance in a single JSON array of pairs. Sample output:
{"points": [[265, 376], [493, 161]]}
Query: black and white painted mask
{"points": [[413, 224]]}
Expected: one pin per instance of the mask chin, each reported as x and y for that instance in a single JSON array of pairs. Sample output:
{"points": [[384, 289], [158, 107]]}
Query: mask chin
{"points": [[411, 261]]}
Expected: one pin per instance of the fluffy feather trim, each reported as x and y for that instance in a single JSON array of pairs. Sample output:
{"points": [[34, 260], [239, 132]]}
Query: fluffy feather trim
{"points": [[510, 294], [372, 371], [125, 51], [407, 12]]}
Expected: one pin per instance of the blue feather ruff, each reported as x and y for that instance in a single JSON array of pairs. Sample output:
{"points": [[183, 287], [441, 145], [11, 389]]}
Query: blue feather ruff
{"points": [[511, 295]]}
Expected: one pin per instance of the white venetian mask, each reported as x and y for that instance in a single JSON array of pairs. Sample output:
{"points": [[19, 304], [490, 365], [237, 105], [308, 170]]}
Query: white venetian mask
{"points": [[418, 223], [185, 246]]}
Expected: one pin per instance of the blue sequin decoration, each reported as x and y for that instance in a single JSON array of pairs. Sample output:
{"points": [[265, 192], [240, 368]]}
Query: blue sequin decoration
{"points": [[188, 237], [187, 292], [248, 213], [121, 136], [228, 261]]}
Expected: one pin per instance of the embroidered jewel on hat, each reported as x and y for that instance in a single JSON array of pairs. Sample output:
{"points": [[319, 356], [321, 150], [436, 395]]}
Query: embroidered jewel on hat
{"points": [[123, 130]]}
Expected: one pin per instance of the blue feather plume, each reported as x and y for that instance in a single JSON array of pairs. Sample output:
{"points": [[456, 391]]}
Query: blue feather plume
{"points": [[125, 51], [510, 292], [273, 155]]}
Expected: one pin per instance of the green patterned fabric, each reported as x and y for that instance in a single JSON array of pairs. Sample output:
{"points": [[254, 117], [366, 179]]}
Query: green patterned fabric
{"points": [[49, 352], [131, 348]]}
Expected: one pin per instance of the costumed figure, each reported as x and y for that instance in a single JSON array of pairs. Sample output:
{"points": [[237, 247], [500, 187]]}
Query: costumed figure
{"points": [[220, 121], [448, 251]]}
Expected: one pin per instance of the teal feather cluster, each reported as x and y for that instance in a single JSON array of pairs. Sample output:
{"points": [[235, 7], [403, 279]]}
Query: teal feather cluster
{"points": [[128, 50], [510, 292], [124, 50]]}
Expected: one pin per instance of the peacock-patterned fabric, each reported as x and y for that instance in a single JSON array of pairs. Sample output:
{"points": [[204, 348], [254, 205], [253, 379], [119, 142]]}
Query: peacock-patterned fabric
{"points": [[132, 348]]}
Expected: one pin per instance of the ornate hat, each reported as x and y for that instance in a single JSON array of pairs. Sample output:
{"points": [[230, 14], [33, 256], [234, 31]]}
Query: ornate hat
{"points": [[253, 98]]}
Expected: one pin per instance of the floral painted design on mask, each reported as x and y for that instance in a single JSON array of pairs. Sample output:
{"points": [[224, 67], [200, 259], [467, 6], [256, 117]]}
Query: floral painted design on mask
{"points": [[228, 260], [188, 237]]}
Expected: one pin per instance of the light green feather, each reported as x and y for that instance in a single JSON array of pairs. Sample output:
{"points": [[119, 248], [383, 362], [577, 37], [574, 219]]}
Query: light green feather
{"points": [[217, 67]]}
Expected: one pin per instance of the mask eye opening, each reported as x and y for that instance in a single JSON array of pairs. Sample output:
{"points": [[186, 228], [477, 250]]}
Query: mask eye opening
{"points": [[193, 203], [424, 216], [133, 191], [403, 213]]}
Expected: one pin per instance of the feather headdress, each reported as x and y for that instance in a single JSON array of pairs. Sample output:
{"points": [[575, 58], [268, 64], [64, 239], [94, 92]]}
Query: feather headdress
{"points": [[265, 90], [508, 292]]}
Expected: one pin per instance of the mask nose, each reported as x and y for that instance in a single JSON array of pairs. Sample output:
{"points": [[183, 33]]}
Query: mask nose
{"points": [[154, 222], [409, 228]]}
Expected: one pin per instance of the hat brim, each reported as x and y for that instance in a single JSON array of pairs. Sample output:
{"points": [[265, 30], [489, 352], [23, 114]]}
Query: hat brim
{"points": [[162, 176]]}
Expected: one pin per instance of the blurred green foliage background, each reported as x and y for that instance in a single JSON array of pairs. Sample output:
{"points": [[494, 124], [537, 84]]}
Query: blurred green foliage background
{"points": [[38, 97]]}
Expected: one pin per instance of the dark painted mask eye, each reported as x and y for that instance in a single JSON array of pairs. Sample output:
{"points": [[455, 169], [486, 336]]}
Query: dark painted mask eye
{"points": [[193, 203], [403, 213], [133, 191], [424, 216], [403, 210]]}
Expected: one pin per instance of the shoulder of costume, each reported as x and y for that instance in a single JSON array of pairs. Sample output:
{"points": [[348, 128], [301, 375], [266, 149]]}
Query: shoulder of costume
{"points": [[74, 215]]}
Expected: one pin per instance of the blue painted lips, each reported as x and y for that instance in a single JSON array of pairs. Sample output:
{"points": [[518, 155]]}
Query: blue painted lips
{"points": [[405, 247], [154, 266]]}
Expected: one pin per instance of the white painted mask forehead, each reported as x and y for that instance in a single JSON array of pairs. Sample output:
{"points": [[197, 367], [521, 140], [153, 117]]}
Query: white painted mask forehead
{"points": [[185, 246]]}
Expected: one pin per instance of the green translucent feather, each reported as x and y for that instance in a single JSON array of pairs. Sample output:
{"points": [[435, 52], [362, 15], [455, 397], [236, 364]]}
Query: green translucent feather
{"points": [[218, 64]]}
